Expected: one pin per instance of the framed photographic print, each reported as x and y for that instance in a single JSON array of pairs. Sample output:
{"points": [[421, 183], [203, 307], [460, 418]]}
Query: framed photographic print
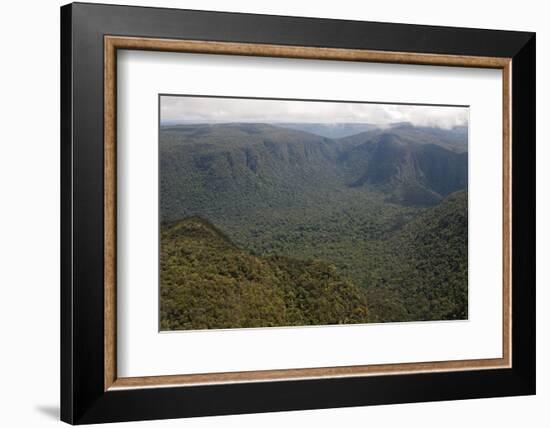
{"points": [[265, 213]]}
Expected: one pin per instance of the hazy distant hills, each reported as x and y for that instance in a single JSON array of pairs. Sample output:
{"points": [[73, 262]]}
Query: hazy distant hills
{"points": [[213, 167], [330, 130], [455, 138]]}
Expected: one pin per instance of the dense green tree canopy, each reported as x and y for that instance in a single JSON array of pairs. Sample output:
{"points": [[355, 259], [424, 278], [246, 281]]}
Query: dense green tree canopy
{"points": [[314, 228]]}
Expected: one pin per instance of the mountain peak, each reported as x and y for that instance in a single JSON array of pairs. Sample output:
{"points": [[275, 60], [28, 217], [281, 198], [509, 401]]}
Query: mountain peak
{"points": [[198, 228]]}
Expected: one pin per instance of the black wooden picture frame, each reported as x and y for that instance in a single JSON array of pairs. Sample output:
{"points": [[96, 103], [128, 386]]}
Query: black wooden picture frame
{"points": [[84, 398]]}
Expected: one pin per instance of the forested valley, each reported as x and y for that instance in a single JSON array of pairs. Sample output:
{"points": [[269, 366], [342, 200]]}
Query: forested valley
{"points": [[306, 224]]}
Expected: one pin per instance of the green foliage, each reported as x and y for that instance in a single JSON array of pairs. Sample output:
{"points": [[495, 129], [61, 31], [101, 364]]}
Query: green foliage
{"points": [[207, 282], [421, 272], [315, 227]]}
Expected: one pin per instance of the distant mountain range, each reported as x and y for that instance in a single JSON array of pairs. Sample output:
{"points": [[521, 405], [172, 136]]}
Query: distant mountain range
{"points": [[456, 135], [329, 130], [226, 166]]}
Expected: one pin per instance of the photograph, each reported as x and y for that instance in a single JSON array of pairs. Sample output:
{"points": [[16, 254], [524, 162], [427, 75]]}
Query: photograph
{"points": [[288, 212]]}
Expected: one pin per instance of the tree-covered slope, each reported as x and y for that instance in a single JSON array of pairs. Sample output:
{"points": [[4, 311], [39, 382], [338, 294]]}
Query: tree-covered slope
{"points": [[216, 171], [220, 170], [421, 272], [207, 282], [411, 172]]}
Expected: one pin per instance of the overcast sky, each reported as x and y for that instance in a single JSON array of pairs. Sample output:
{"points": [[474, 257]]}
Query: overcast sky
{"points": [[201, 109]]}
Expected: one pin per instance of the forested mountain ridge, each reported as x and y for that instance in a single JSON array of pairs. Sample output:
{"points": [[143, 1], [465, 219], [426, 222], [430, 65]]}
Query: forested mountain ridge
{"points": [[208, 282], [412, 173], [212, 168]]}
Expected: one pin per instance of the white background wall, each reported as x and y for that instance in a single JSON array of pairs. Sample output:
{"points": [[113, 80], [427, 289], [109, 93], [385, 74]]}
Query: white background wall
{"points": [[29, 214]]}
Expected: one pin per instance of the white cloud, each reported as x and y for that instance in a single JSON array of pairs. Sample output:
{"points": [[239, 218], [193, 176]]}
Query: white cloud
{"points": [[206, 109]]}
